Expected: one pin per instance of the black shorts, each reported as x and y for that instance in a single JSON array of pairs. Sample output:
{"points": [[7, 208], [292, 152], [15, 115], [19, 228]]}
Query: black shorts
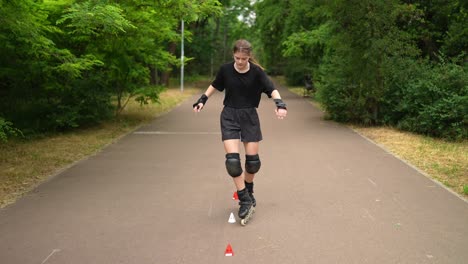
{"points": [[240, 124]]}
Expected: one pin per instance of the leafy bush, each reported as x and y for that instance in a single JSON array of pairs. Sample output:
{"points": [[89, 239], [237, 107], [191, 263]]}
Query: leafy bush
{"points": [[7, 130], [435, 101], [63, 63], [332, 90], [295, 73]]}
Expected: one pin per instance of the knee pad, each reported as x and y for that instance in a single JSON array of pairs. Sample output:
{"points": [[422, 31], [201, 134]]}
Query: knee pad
{"points": [[233, 164], [252, 163]]}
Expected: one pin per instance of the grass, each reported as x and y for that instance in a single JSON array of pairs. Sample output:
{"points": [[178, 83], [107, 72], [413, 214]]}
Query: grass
{"points": [[446, 162], [26, 163]]}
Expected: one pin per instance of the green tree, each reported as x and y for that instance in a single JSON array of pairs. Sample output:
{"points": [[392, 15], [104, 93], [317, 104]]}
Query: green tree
{"points": [[367, 59], [213, 36], [64, 62], [271, 16], [35, 72], [438, 26]]}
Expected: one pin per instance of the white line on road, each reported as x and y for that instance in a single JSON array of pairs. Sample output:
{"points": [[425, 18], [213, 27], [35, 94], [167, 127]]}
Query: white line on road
{"points": [[174, 133], [371, 181], [51, 254]]}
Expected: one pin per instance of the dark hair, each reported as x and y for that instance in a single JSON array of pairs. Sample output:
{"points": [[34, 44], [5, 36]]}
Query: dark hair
{"points": [[245, 47]]}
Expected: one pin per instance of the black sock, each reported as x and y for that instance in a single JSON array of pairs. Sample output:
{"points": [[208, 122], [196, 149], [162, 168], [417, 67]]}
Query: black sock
{"points": [[249, 186]]}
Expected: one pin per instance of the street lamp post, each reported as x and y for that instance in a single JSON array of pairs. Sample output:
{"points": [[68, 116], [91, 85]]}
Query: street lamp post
{"points": [[182, 58]]}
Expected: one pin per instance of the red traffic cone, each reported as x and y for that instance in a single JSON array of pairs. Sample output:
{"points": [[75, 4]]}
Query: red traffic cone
{"points": [[235, 196], [228, 252]]}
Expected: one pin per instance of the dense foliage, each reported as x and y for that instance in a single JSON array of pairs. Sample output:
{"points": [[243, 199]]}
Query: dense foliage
{"points": [[73, 63], [212, 37], [400, 63], [64, 63]]}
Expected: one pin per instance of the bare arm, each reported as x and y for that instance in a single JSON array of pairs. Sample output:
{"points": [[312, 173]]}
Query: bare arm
{"points": [[211, 90], [275, 94]]}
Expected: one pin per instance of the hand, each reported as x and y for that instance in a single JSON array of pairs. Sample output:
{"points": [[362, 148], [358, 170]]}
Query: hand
{"points": [[281, 113], [198, 108]]}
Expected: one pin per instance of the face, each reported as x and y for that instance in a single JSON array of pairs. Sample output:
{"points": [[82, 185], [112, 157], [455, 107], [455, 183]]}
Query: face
{"points": [[241, 59]]}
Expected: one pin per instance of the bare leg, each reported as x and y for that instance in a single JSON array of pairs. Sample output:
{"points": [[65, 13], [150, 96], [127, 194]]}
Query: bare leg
{"points": [[246, 202], [232, 146]]}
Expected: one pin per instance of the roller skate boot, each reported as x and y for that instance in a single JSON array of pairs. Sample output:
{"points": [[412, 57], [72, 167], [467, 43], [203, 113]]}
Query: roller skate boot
{"points": [[246, 206], [254, 202], [249, 186]]}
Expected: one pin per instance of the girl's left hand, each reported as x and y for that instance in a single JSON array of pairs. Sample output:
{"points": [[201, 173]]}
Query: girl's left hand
{"points": [[281, 113]]}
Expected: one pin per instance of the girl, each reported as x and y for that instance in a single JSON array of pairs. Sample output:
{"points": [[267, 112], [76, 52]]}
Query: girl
{"points": [[243, 81]]}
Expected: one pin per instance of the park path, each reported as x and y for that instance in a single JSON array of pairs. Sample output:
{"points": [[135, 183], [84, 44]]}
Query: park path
{"points": [[161, 195]]}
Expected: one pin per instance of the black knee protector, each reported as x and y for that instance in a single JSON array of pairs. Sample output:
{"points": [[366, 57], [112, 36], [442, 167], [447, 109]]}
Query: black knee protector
{"points": [[233, 164], [252, 163]]}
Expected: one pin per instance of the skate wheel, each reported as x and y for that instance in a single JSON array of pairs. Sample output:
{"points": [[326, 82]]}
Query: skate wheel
{"points": [[245, 220]]}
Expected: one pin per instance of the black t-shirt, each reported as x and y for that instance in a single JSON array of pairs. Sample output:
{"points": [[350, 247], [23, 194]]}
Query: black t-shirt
{"points": [[242, 90]]}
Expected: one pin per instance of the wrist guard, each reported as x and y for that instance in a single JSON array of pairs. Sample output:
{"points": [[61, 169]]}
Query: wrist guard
{"points": [[202, 100], [280, 104]]}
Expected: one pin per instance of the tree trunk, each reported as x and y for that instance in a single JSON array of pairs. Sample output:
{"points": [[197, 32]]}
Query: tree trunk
{"points": [[167, 74], [153, 75]]}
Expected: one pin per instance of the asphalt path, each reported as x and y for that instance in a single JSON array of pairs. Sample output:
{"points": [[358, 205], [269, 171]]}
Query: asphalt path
{"points": [[161, 194]]}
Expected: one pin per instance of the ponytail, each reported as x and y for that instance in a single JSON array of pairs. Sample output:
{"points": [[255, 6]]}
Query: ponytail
{"points": [[254, 61]]}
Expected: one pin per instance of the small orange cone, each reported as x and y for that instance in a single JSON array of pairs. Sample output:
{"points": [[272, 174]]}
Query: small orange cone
{"points": [[235, 196], [228, 252]]}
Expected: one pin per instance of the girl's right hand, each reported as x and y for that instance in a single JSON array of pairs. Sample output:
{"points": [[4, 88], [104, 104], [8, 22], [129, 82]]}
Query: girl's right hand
{"points": [[197, 108]]}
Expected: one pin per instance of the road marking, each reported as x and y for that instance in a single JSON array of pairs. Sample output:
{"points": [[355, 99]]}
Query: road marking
{"points": [[371, 181], [174, 133], [51, 254]]}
